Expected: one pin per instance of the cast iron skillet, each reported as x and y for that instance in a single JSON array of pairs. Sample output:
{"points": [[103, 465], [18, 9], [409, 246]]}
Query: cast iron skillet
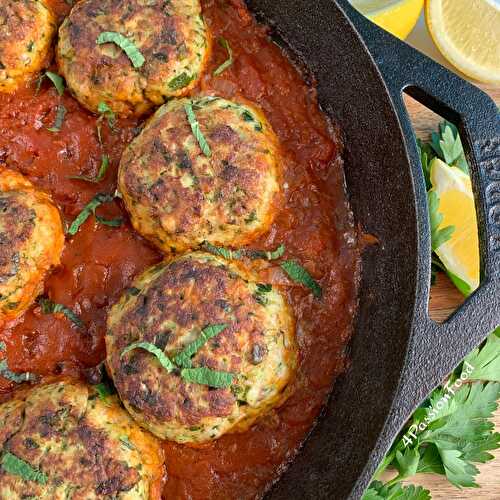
{"points": [[398, 354]]}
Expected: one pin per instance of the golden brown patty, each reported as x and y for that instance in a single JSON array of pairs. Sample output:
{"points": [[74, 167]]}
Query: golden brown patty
{"points": [[27, 28], [168, 307], [31, 242], [76, 445], [170, 35], [179, 197]]}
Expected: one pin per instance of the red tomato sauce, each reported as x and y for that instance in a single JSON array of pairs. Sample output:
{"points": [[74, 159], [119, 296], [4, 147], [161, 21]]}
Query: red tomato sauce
{"points": [[99, 262]]}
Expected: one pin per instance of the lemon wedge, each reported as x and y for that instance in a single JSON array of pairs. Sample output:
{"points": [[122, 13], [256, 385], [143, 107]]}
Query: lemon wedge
{"points": [[396, 16], [460, 254], [467, 32]]}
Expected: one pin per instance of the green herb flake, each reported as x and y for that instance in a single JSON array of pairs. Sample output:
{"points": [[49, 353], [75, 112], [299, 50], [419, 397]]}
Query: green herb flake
{"points": [[206, 376], [298, 274], [263, 254], [225, 253], [116, 222], [438, 236], [88, 210], [260, 293], [60, 114], [126, 443], [104, 390], [247, 116], [276, 254], [180, 81], [147, 346], [229, 61], [448, 146], [49, 307], [18, 467], [17, 378], [128, 46], [58, 82], [464, 288], [252, 217], [105, 111], [195, 128], [183, 359], [100, 175]]}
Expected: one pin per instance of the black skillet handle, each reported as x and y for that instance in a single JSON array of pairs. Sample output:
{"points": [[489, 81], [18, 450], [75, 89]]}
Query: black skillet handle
{"points": [[436, 349]]}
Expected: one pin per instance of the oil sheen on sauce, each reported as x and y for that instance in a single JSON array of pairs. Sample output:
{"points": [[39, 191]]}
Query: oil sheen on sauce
{"points": [[99, 262]]}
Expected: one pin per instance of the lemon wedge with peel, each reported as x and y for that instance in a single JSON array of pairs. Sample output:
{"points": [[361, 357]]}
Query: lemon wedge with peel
{"points": [[467, 32], [460, 254], [396, 16]]}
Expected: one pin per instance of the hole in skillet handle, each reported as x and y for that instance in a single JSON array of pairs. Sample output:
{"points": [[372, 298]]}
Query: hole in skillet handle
{"points": [[434, 350], [455, 272]]}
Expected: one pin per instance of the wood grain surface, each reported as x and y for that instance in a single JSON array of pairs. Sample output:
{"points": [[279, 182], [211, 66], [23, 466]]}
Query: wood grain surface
{"points": [[444, 300]]}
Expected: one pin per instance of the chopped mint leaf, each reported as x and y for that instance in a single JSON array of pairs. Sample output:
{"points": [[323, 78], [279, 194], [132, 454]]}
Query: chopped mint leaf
{"points": [[128, 46], [298, 274], [206, 376], [183, 359], [147, 346], [18, 467]]}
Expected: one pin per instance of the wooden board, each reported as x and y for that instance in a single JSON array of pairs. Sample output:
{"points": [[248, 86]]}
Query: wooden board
{"points": [[444, 300]]}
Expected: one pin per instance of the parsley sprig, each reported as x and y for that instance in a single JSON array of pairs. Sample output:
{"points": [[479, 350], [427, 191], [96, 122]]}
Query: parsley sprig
{"points": [[461, 434], [486, 360], [446, 145], [457, 436], [381, 491], [182, 361]]}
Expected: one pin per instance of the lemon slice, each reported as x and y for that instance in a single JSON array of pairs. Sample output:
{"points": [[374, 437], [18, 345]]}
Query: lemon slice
{"points": [[467, 32], [396, 16], [460, 254]]}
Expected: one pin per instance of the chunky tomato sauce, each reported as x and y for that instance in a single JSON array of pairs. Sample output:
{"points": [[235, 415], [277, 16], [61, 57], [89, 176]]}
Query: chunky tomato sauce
{"points": [[99, 262]]}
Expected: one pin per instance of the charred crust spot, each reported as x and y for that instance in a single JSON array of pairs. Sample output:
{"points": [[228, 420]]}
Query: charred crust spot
{"points": [[229, 171], [183, 160], [169, 36], [160, 148], [17, 223], [258, 353], [225, 134], [162, 339], [220, 402], [31, 444], [120, 478]]}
